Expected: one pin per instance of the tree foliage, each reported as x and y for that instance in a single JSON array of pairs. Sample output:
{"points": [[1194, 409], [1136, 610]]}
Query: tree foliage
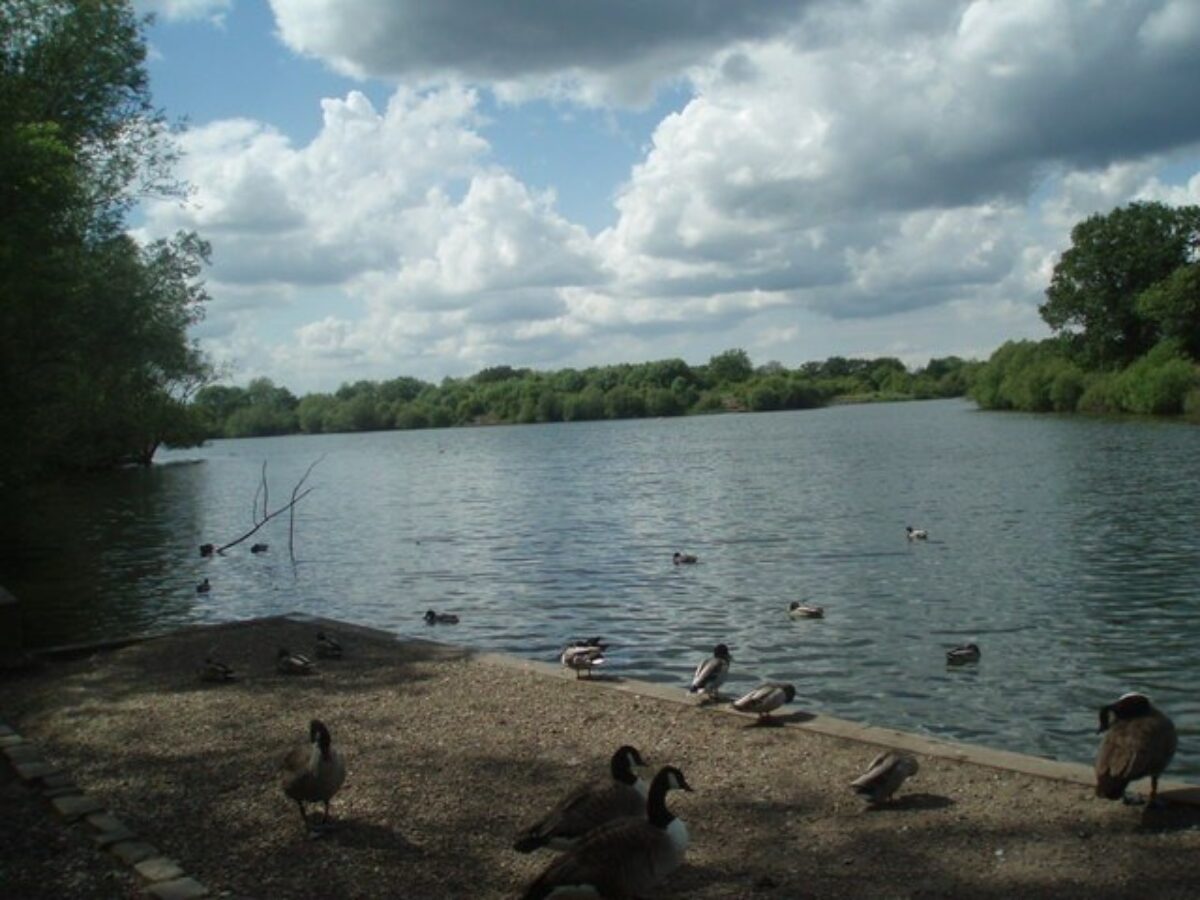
{"points": [[95, 364], [1115, 259]]}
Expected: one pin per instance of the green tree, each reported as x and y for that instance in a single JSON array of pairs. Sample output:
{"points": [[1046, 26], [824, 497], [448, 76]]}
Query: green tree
{"points": [[732, 366], [1173, 304], [1113, 259]]}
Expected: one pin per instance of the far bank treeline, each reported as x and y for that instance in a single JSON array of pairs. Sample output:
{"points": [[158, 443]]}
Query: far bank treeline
{"points": [[1124, 304], [505, 395]]}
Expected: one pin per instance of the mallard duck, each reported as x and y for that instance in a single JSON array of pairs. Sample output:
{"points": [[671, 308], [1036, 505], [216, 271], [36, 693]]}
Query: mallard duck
{"points": [[1138, 741], [328, 646], [683, 559], [884, 776], [293, 663], [798, 610], [624, 858], [313, 772], [437, 618], [203, 587], [590, 805], [967, 653], [582, 659], [711, 673], [259, 548], [765, 698], [596, 642], [207, 549], [916, 534], [215, 671]]}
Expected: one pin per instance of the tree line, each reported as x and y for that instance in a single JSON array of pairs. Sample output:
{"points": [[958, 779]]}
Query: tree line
{"points": [[507, 395], [1124, 306], [96, 367]]}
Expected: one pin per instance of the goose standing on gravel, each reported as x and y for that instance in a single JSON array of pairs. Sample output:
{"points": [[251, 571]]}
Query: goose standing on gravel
{"points": [[289, 663], [590, 805], [313, 772], [625, 858], [967, 653], [798, 610], [582, 658], [1139, 740], [711, 673], [884, 776], [764, 699], [916, 534], [328, 647]]}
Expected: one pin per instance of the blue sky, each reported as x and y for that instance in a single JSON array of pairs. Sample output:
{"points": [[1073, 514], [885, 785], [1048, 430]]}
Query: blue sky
{"points": [[398, 188]]}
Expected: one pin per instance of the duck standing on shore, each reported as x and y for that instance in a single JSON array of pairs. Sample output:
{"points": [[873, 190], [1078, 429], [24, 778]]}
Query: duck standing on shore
{"points": [[1139, 740], [313, 772], [582, 658], [328, 647], [711, 673], [216, 671], [884, 776], [590, 805], [626, 857], [288, 663], [765, 699]]}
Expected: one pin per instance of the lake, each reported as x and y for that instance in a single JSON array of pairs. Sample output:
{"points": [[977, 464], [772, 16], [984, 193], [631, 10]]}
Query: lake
{"points": [[1067, 548]]}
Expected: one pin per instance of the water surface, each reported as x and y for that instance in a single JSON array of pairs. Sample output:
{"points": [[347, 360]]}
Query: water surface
{"points": [[1065, 547]]}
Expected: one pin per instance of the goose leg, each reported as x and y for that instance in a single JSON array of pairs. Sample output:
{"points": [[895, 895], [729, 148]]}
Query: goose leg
{"points": [[303, 814], [1154, 802]]}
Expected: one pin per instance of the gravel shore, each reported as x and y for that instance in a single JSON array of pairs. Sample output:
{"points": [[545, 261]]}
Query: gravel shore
{"points": [[449, 754]]}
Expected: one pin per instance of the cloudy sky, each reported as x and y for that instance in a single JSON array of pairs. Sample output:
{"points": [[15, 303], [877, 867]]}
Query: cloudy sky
{"points": [[395, 187]]}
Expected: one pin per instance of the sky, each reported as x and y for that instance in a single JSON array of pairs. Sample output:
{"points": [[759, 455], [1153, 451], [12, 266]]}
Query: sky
{"points": [[396, 187]]}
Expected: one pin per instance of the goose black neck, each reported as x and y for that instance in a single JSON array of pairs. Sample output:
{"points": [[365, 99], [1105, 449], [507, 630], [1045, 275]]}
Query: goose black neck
{"points": [[656, 803], [622, 769]]}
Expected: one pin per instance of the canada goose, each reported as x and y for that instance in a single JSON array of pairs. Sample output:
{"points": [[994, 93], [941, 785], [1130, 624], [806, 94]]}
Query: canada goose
{"points": [[966, 653], [798, 610], [1140, 742], [328, 646], [624, 858], [582, 659], [916, 534], [313, 772], [293, 663], [590, 805], [215, 671], [259, 548], [207, 549], [203, 587], [711, 673], [765, 698], [884, 776], [437, 618], [683, 559]]}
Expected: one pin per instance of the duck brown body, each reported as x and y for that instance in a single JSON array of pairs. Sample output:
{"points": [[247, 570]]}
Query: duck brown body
{"points": [[1138, 741]]}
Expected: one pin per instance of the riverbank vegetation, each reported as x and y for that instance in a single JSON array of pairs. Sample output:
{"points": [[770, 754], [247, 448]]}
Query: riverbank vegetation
{"points": [[502, 394], [1124, 303], [96, 368]]}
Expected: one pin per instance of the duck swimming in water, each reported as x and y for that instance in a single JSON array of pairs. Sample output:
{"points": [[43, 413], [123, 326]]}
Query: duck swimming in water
{"points": [[916, 534], [203, 587], [798, 610], [967, 653], [683, 559], [437, 618]]}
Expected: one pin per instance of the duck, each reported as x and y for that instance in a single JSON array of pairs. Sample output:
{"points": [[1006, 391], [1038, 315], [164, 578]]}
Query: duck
{"points": [[215, 671], [437, 618], [328, 647], [798, 610], [590, 805], [293, 663], [596, 642], [766, 698], [203, 587], [711, 673], [207, 549], [683, 559], [916, 534], [313, 772], [884, 776], [582, 659], [1139, 740], [966, 653], [259, 548], [625, 857]]}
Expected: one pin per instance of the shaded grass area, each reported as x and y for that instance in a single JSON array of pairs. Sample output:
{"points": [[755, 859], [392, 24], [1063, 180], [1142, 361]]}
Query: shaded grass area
{"points": [[449, 756]]}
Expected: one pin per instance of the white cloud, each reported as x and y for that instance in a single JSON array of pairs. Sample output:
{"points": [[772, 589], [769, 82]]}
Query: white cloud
{"points": [[185, 10]]}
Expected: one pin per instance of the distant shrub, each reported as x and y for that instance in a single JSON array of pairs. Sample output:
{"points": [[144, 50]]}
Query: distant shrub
{"points": [[1099, 394]]}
